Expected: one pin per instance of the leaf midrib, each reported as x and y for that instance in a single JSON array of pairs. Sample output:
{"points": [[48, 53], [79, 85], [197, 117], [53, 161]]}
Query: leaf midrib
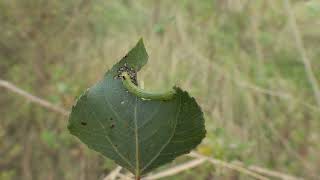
{"points": [[136, 139]]}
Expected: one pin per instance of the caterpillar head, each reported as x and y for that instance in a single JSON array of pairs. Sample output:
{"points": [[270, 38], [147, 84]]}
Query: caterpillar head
{"points": [[132, 73]]}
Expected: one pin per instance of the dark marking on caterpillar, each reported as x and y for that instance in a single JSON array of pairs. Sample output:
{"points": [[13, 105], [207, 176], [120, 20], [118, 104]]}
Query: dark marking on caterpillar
{"points": [[83, 123], [132, 73], [112, 126], [134, 89]]}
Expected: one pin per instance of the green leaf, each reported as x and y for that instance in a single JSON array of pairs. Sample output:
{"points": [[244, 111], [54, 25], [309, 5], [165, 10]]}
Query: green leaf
{"points": [[138, 134]]}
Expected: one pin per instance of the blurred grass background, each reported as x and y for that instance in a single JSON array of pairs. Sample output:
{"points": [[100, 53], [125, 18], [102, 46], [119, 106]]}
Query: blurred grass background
{"points": [[237, 57]]}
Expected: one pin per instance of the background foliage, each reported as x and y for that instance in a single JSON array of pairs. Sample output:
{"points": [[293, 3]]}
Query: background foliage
{"points": [[237, 57]]}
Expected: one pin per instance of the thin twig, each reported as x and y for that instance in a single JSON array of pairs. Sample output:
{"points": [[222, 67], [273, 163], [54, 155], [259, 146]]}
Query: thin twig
{"points": [[124, 177], [32, 98], [252, 168], [300, 46], [177, 169], [275, 174], [113, 174], [229, 165]]}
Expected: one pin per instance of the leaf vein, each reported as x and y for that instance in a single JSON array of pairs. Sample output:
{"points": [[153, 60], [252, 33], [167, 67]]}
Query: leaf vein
{"points": [[151, 117], [162, 148], [114, 112], [109, 140]]}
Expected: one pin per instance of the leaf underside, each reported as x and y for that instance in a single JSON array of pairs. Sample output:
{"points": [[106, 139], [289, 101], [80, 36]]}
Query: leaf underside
{"points": [[137, 134]]}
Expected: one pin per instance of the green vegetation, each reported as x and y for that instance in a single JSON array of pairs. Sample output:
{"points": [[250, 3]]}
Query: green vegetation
{"points": [[238, 58]]}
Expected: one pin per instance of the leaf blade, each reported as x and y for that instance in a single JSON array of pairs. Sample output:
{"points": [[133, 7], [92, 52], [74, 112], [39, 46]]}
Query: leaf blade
{"points": [[138, 134]]}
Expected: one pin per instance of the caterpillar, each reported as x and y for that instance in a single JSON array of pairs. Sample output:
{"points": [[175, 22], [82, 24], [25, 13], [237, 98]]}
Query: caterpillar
{"points": [[132, 88]]}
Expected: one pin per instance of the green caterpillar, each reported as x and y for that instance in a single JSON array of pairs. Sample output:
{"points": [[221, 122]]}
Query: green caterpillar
{"points": [[127, 82]]}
